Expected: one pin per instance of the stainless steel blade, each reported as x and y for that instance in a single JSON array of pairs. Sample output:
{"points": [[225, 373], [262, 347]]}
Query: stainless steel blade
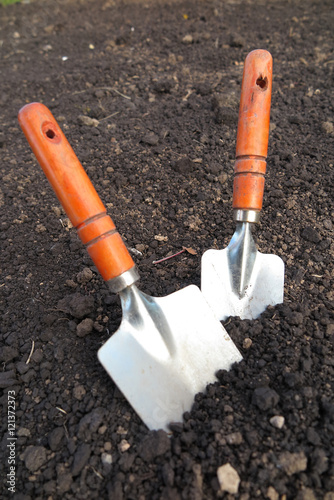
{"points": [[165, 351], [239, 280]]}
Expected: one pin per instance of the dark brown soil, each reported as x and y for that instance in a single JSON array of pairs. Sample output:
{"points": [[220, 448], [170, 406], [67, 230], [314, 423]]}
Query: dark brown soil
{"points": [[163, 81]]}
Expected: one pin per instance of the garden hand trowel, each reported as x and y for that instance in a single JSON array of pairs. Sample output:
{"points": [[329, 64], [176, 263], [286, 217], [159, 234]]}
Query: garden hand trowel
{"points": [[166, 349], [239, 280]]}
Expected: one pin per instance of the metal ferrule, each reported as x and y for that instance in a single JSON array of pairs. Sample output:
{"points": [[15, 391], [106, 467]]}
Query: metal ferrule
{"points": [[246, 215], [123, 280]]}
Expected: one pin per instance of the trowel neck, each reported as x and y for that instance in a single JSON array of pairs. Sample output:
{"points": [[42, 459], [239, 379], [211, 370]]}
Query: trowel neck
{"points": [[246, 215], [124, 280]]}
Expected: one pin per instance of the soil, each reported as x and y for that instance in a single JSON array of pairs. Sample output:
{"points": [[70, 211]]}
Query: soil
{"points": [[160, 83]]}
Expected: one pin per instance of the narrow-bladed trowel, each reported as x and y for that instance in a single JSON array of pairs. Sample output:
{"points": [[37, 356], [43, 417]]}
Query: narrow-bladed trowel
{"points": [[239, 280], [166, 349]]}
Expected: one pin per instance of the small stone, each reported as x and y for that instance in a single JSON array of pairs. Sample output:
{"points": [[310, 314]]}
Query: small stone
{"points": [[247, 343], [265, 398], [79, 392], [89, 122], [85, 276], [35, 457], [277, 421], [71, 283], [272, 493], [234, 438], [228, 479], [23, 432], [329, 495], [106, 458], [123, 446], [188, 39], [223, 177], [328, 127], [80, 458], [292, 463], [85, 327], [40, 228]]}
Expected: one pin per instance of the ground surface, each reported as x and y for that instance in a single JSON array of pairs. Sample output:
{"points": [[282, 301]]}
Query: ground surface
{"points": [[163, 79]]}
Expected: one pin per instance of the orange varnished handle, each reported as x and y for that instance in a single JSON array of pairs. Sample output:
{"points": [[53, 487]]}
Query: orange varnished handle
{"points": [[253, 131], [75, 191]]}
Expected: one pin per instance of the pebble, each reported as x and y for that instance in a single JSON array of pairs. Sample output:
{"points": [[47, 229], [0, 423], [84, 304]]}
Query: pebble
{"points": [[35, 457], [23, 432], [292, 463], [272, 494], [328, 127], [235, 438], [123, 446], [277, 421], [85, 327], [156, 443], [247, 343], [106, 458], [89, 122], [228, 479], [265, 398], [188, 39]]}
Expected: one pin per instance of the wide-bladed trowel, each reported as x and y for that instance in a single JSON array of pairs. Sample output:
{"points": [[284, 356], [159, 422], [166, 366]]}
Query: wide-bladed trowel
{"points": [[166, 349], [239, 280]]}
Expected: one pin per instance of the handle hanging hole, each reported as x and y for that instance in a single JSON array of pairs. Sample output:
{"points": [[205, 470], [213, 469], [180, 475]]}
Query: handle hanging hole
{"points": [[50, 134], [50, 131], [262, 82]]}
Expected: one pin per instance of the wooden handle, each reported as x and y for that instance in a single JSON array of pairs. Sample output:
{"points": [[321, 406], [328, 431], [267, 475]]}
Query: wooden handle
{"points": [[253, 131], [75, 191]]}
